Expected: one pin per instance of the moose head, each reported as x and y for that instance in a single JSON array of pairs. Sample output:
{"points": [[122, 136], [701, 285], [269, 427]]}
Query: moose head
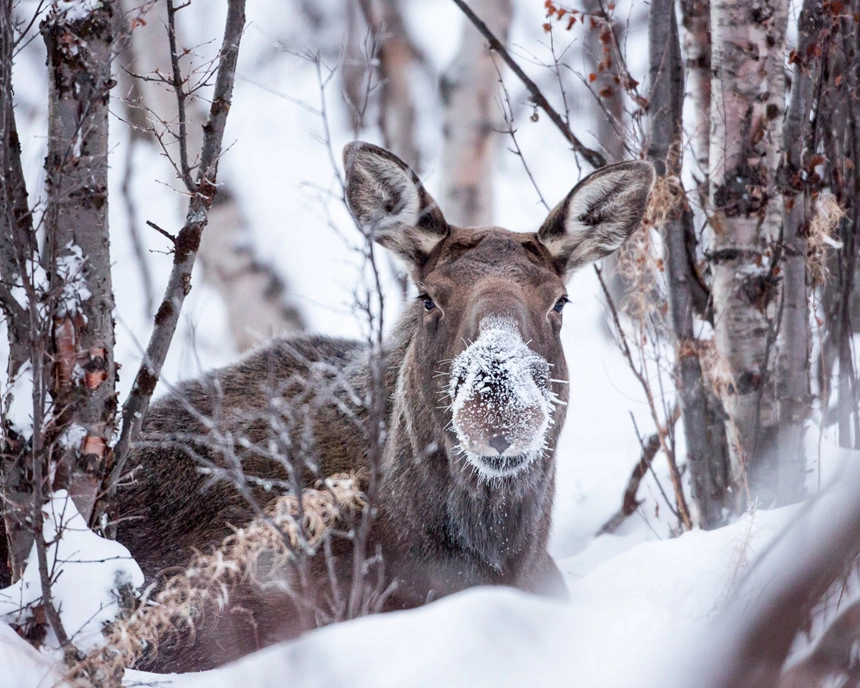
{"points": [[490, 304]]}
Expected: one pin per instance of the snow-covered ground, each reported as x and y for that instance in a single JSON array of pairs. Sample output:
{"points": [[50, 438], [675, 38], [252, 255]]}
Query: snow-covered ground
{"points": [[640, 600]]}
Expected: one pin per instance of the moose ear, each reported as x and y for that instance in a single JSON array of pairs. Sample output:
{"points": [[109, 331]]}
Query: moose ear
{"points": [[598, 215], [390, 203]]}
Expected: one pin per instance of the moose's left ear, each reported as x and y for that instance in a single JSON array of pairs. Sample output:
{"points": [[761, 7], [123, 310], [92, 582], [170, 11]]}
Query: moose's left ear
{"points": [[598, 215]]}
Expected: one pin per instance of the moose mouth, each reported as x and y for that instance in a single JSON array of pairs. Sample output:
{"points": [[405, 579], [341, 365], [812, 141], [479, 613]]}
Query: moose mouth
{"points": [[499, 466]]}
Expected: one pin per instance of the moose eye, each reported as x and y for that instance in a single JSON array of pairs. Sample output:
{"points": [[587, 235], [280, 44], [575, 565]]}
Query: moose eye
{"points": [[559, 305], [429, 305]]}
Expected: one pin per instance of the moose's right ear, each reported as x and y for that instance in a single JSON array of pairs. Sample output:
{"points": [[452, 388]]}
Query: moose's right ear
{"points": [[390, 203]]}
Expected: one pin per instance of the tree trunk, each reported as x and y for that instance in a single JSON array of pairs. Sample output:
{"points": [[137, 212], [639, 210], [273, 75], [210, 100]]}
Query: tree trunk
{"points": [[609, 112], [17, 246], [794, 178], [471, 117], [707, 454], [398, 62], [79, 43], [697, 47], [746, 118], [840, 131], [609, 106]]}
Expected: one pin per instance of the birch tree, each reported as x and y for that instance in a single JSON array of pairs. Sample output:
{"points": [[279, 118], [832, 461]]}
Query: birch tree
{"points": [[747, 91], [66, 314]]}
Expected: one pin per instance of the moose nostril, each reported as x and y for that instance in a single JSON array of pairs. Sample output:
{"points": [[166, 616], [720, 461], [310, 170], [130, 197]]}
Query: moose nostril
{"points": [[499, 443], [540, 373]]}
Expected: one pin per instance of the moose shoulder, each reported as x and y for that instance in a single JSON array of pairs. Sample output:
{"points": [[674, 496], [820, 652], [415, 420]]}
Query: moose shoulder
{"points": [[474, 400]]}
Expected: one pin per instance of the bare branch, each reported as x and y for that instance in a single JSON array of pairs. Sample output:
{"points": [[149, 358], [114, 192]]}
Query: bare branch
{"points": [[178, 84], [629, 503], [203, 192], [593, 158], [683, 511]]}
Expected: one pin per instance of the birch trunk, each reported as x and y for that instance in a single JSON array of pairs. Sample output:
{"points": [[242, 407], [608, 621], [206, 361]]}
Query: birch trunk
{"points": [[793, 342], [703, 432], [398, 64], [76, 219], [471, 117], [746, 119], [609, 111]]}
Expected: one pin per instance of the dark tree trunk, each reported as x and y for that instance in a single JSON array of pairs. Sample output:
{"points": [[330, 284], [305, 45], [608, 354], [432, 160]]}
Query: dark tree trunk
{"points": [[707, 452], [839, 126], [17, 246], [792, 369]]}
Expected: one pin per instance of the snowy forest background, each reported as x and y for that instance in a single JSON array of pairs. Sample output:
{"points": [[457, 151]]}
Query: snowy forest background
{"points": [[704, 572]]}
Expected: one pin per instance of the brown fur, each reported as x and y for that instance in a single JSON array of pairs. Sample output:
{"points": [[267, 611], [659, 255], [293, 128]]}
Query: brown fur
{"points": [[439, 526]]}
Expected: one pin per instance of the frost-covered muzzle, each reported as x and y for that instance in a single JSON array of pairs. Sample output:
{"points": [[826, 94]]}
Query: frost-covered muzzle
{"points": [[501, 403]]}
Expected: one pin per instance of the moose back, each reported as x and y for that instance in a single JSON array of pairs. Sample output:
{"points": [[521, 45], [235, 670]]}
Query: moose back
{"points": [[461, 459]]}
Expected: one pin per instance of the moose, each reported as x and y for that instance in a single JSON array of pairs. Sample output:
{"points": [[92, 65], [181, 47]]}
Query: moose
{"points": [[474, 392]]}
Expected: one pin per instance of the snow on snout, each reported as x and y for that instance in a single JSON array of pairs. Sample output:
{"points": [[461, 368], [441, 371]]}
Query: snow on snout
{"points": [[501, 405]]}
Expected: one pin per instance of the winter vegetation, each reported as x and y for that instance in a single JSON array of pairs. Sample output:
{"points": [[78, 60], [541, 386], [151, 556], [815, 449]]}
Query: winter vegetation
{"points": [[264, 403]]}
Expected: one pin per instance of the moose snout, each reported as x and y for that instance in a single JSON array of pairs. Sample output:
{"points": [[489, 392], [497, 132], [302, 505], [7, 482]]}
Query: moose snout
{"points": [[501, 406]]}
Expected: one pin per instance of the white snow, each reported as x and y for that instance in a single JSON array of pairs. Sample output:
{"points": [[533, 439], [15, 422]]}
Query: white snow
{"points": [[22, 666], [620, 628], [70, 270], [18, 399], [78, 10], [86, 571]]}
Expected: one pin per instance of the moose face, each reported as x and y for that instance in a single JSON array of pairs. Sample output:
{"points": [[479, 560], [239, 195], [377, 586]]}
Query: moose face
{"points": [[491, 301], [491, 305]]}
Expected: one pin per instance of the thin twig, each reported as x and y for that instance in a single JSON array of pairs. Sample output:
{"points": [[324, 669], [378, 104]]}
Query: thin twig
{"points": [[595, 159], [181, 97], [674, 473], [163, 232], [629, 503]]}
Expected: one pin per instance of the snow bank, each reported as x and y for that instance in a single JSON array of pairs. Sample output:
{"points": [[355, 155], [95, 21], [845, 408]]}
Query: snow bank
{"points": [[86, 569], [21, 666], [622, 626]]}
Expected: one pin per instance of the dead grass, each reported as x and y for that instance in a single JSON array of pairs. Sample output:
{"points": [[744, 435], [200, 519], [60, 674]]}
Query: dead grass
{"points": [[822, 236], [208, 580]]}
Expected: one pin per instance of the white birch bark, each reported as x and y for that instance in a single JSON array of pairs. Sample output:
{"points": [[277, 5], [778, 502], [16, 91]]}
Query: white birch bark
{"points": [[697, 47], [746, 118], [79, 42]]}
